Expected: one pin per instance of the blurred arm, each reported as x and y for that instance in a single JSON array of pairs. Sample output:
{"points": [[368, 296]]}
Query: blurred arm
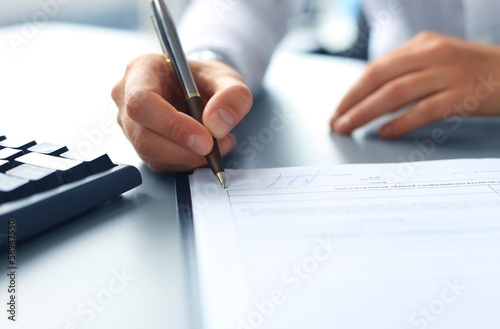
{"points": [[245, 32]]}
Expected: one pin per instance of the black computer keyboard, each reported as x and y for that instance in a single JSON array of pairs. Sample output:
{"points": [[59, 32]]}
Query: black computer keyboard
{"points": [[42, 185]]}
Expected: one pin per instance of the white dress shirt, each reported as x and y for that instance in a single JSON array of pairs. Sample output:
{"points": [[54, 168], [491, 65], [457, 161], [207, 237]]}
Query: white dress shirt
{"points": [[246, 32]]}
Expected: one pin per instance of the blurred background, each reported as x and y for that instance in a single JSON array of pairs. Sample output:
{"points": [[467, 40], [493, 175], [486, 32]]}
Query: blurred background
{"points": [[326, 26], [123, 14]]}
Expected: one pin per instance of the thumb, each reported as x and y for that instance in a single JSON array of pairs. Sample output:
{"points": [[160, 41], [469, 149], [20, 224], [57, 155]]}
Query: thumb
{"points": [[229, 100]]}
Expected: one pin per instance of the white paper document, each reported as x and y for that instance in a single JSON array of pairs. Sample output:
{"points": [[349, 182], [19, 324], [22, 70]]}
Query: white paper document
{"points": [[404, 245]]}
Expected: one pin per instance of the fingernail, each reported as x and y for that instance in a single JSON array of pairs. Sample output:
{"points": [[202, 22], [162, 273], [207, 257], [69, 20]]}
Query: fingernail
{"points": [[385, 131], [198, 144], [221, 122], [343, 125]]}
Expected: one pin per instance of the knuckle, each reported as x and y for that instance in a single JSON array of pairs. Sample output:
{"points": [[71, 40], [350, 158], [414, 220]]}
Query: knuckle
{"points": [[136, 61], [116, 92], [132, 64], [439, 46], [396, 90], [144, 61], [134, 101], [426, 35], [372, 71], [175, 129]]}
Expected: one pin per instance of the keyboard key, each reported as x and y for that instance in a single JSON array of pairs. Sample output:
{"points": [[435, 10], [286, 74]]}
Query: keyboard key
{"points": [[71, 170], [5, 165], [17, 143], [33, 185], [48, 148], [13, 188], [10, 154], [96, 164], [43, 178]]}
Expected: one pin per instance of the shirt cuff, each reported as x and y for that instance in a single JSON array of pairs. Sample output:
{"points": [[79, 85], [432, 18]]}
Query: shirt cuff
{"points": [[211, 55]]}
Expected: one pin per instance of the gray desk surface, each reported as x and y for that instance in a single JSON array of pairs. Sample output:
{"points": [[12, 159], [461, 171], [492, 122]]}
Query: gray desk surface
{"points": [[121, 265]]}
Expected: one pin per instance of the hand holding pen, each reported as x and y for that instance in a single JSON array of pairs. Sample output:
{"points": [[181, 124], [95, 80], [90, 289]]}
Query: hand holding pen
{"points": [[153, 115]]}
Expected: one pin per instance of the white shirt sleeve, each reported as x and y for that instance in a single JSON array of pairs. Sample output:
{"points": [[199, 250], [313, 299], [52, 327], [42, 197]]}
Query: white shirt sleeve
{"points": [[394, 22], [246, 32]]}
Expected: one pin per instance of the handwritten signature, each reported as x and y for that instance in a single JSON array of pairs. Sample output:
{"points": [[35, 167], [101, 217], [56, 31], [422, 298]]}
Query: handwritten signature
{"points": [[303, 178]]}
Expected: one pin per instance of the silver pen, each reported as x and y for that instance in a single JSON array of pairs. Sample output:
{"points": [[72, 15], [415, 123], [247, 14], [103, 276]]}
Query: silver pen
{"points": [[172, 49]]}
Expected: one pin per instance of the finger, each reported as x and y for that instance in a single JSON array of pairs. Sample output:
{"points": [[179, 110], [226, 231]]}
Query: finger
{"points": [[139, 71], [151, 72], [388, 67], [390, 97], [148, 79], [226, 109], [225, 146], [230, 99], [149, 109], [117, 92], [426, 111], [148, 71], [156, 148], [151, 145]]}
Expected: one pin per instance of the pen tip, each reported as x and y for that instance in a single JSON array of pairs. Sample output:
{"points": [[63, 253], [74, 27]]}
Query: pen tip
{"points": [[221, 176]]}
